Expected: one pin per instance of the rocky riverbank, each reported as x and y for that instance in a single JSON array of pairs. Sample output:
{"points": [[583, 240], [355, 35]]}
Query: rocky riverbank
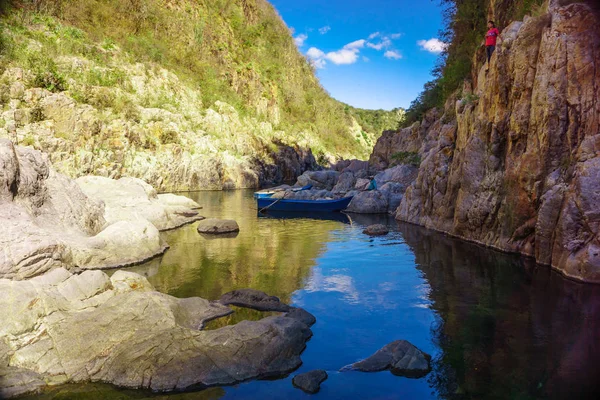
{"points": [[51, 221], [514, 163], [62, 328]]}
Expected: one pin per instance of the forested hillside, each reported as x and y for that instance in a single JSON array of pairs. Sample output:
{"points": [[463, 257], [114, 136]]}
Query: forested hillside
{"points": [[120, 87]]}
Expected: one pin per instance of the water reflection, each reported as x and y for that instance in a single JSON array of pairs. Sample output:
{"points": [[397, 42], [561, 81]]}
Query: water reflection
{"points": [[497, 326], [506, 328]]}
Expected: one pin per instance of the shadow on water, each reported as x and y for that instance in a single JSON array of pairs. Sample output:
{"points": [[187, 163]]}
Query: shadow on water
{"points": [[506, 327], [497, 326]]}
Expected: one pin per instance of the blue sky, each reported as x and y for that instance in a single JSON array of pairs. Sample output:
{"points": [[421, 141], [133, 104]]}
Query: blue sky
{"points": [[368, 53]]}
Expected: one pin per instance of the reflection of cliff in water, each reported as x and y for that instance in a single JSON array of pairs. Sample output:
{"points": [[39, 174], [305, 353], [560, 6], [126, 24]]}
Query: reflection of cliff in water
{"points": [[273, 255], [507, 328]]}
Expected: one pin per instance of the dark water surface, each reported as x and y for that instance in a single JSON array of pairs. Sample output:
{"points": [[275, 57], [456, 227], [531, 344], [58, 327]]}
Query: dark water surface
{"points": [[496, 325]]}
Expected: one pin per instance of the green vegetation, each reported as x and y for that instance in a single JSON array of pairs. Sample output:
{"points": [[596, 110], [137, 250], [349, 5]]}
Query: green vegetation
{"points": [[234, 51], [465, 28], [406, 157]]}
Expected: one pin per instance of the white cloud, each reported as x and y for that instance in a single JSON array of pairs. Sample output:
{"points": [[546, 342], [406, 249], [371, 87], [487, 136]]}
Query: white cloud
{"points": [[343, 56], [300, 39], [380, 46], [373, 35], [314, 53], [433, 45], [392, 55], [366, 59], [318, 64], [395, 35], [357, 44], [324, 29]]}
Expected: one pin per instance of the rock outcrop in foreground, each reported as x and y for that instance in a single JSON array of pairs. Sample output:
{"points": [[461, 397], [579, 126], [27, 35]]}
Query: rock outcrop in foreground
{"points": [[516, 163], [50, 221], [61, 328]]}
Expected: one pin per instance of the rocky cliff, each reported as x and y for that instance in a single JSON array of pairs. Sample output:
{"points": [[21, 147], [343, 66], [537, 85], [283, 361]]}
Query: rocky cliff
{"points": [[182, 94], [513, 161]]}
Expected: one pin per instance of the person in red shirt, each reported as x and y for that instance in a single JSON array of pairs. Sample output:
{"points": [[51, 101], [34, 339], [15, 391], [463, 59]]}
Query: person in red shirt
{"points": [[490, 41]]}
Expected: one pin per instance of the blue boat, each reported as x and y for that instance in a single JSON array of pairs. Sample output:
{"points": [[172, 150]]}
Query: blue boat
{"points": [[265, 194], [292, 205]]}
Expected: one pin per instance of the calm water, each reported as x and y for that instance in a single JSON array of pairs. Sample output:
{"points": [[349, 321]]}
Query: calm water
{"points": [[496, 325]]}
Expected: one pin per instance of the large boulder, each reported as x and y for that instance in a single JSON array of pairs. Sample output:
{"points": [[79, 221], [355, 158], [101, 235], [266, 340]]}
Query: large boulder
{"points": [[369, 202], [345, 183], [61, 328], [400, 357], [133, 199], [319, 179], [403, 174], [394, 192], [49, 222]]}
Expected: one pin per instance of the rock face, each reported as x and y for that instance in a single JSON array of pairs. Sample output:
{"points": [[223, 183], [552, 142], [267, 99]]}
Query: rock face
{"points": [[131, 199], [131, 336], [518, 167], [49, 222], [255, 299], [218, 226], [400, 357], [310, 381]]}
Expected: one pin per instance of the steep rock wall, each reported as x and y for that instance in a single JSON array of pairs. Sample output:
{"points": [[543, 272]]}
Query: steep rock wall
{"points": [[517, 167]]}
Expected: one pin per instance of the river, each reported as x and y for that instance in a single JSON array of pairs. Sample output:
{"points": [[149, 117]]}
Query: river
{"points": [[496, 325]]}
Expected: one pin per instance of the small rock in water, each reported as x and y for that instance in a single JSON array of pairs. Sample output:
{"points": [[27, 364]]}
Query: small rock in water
{"points": [[216, 226], [376, 230], [255, 299], [400, 357], [310, 381]]}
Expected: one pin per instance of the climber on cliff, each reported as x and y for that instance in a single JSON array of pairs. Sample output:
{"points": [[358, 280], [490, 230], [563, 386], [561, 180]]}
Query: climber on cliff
{"points": [[490, 42]]}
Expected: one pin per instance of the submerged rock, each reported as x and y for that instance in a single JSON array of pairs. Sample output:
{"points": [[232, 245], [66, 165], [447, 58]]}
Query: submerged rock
{"points": [[217, 226], [400, 357], [310, 381], [376, 230], [62, 328], [255, 299]]}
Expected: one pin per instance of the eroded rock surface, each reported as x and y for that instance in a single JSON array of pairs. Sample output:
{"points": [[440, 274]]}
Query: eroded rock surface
{"points": [[255, 299], [61, 328], [516, 164], [376, 230], [50, 222], [400, 357]]}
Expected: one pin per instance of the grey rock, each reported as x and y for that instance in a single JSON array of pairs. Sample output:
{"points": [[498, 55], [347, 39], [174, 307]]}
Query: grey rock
{"points": [[255, 299], [369, 202], [217, 226], [50, 222], [400, 357], [301, 315], [362, 184], [404, 174], [345, 183], [310, 382], [319, 179], [376, 230], [68, 328]]}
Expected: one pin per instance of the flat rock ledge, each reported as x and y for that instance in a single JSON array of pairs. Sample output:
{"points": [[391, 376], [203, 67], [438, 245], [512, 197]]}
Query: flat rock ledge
{"points": [[310, 382], [61, 328], [376, 230], [218, 226], [255, 299], [399, 357]]}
